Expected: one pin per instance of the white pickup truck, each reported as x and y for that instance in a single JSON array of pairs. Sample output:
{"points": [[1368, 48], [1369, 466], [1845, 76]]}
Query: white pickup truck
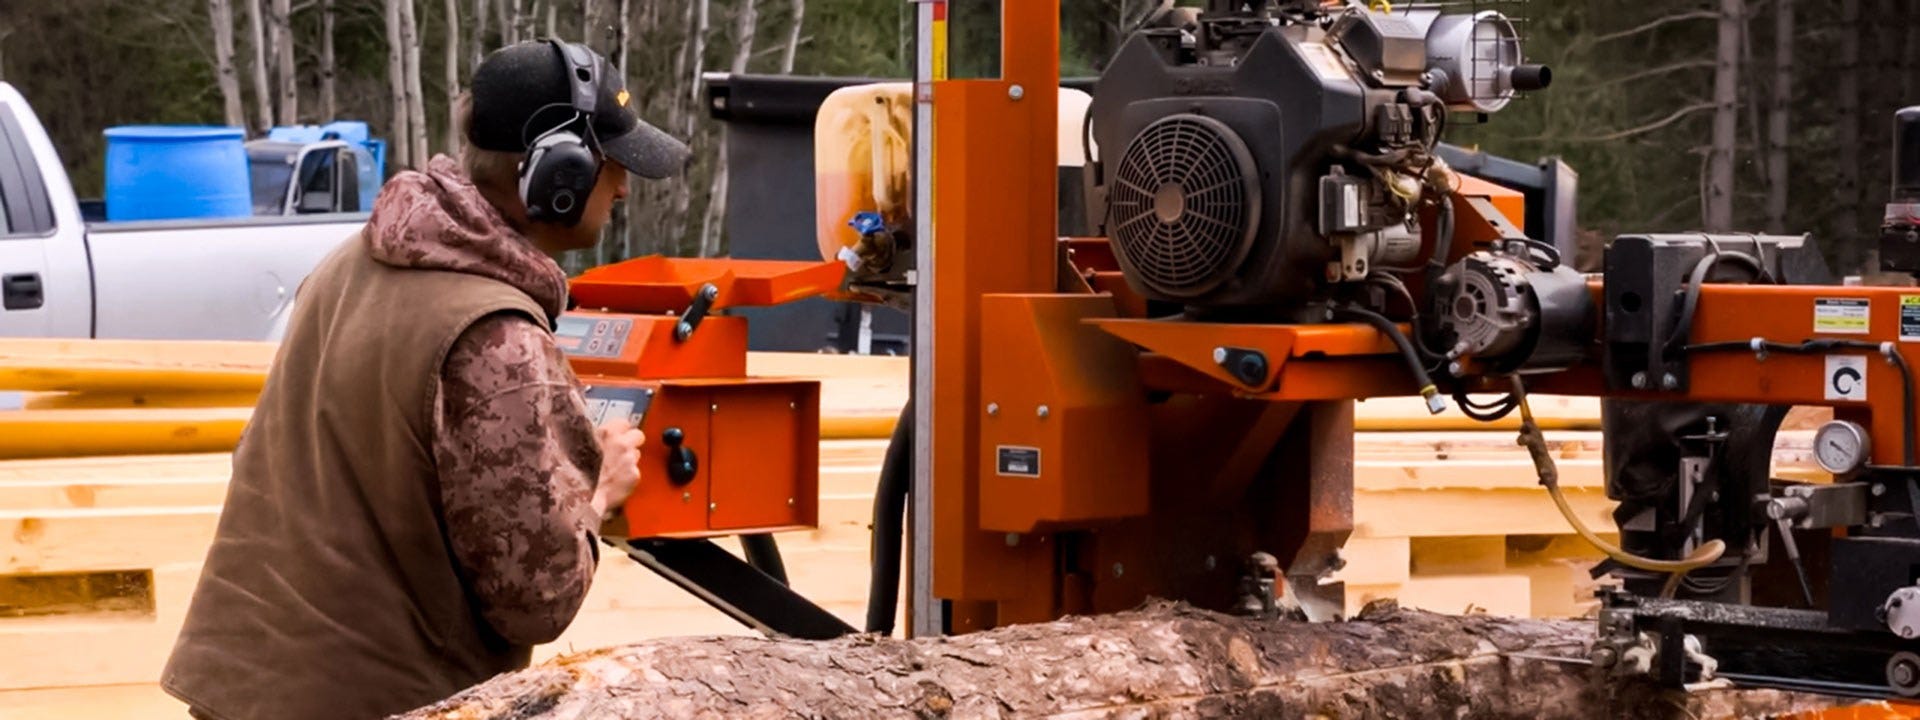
{"points": [[224, 279]]}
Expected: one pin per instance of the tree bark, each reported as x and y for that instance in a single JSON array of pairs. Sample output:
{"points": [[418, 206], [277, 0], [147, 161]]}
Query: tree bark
{"points": [[285, 70], [1164, 660], [509, 21], [329, 100], [586, 23], [699, 53], [402, 151], [793, 37], [1847, 131], [553, 19], [452, 143], [220, 16], [1726, 118], [262, 94], [481, 9], [617, 245], [1778, 115], [416, 99], [746, 23]]}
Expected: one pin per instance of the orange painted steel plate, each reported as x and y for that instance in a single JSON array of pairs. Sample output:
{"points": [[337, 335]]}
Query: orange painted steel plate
{"points": [[660, 284]]}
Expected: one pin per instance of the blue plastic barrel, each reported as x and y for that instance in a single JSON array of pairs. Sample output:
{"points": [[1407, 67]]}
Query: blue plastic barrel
{"points": [[159, 172]]}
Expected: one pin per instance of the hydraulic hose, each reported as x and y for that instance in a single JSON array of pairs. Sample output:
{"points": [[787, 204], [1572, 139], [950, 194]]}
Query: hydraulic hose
{"points": [[1536, 444], [1435, 403], [889, 524]]}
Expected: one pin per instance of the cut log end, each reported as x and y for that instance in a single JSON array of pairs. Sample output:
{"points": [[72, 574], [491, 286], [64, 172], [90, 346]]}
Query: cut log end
{"points": [[1162, 660]]}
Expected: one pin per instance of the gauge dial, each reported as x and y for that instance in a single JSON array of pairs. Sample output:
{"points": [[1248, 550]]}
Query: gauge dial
{"points": [[1840, 447]]}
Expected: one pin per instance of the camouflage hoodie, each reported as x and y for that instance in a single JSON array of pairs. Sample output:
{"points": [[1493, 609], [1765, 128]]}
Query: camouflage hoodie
{"points": [[517, 461]]}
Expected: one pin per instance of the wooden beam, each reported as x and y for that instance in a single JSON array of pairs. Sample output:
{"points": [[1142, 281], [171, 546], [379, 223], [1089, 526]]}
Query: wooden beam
{"points": [[62, 540], [68, 433]]}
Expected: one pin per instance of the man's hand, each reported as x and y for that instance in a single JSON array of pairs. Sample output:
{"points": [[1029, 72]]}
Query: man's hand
{"points": [[619, 465]]}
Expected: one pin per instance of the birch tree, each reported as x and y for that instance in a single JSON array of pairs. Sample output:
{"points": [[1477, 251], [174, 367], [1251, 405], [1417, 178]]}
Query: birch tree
{"points": [[1847, 125], [220, 16], [793, 37], [1778, 114], [481, 9], [509, 20], [262, 95], [329, 67], [452, 144], [1726, 118], [746, 22], [700, 51], [416, 100], [397, 86], [283, 64], [587, 28]]}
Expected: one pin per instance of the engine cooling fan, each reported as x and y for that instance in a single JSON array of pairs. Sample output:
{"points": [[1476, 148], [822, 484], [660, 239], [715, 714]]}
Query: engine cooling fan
{"points": [[1184, 206]]}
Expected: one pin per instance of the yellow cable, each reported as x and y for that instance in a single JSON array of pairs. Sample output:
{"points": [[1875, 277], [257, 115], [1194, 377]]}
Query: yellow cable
{"points": [[1536, 445], [1382, 6]]}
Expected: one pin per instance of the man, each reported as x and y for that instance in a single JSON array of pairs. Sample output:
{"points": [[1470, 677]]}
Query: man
{"points": [[416, 500]]}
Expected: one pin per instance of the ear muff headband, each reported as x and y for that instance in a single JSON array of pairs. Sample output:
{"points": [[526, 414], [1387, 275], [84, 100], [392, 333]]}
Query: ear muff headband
{"points": [[561, 168]]}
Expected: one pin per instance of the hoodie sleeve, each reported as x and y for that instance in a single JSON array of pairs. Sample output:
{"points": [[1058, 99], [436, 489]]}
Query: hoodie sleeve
{"points": [[517, 468]]}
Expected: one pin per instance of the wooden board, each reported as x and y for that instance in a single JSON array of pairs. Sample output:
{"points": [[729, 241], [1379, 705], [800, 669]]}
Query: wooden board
{"points": [[132, 365], [101, 702], [61, 540], [67, 651], [68, 433]]}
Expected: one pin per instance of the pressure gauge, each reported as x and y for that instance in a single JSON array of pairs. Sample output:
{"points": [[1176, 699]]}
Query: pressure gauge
{"points": [[1840, 447]]}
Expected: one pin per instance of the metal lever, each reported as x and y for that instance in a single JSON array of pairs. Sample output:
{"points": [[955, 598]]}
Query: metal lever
{"points": [[1784, 511], [702, 303], [681, 462]]}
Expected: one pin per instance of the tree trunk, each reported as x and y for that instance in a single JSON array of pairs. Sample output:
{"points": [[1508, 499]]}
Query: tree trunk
{"points": [[586, 23], [220, 15], [793, 37], [617, 245], [402, 151], [262, 95], [481, 9], [416, 99], [329, 101], [509, 21], [284, 66], [1164, 660], [553, 19], [452, 143], [699, 53], [1726, 118], [1847, 134], [746, 25], [1778, 115]]}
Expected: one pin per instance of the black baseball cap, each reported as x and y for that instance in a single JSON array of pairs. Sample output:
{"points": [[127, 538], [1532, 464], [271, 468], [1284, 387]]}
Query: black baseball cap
{"points": [[522, 91]]}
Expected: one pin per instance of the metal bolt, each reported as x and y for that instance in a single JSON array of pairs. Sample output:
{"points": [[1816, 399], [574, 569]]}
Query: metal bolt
{"points": [[1669, 382], [1640, 381], [1044, 411], [1219, 354], [1879, 490], [789, 502], [993, 409], [1903, 673], [714, 408], [1212, 563], [686, 497], [793, 406], [1906, 631], [1016, 92], [683, 330], [1454, 368], [713, 506], [1013, 539], [1119, 569]]}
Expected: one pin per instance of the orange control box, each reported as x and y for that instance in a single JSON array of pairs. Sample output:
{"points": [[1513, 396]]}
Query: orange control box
{"points": [[724, 454]]}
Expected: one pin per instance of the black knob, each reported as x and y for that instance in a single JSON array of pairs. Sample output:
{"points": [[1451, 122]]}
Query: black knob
{"points": [[1528, 78], [681, 463]]}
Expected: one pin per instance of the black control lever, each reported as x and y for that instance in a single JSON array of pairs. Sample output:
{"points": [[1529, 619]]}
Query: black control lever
{"points": [[681, 463], [702, 303], [1784, 511]]}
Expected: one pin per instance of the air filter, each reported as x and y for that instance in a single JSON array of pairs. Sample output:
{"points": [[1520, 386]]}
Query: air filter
{"points": [[1183, 206]]}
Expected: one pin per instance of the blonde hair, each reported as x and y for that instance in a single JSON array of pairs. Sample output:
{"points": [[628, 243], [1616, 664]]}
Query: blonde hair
{"points": [[493, 169]]}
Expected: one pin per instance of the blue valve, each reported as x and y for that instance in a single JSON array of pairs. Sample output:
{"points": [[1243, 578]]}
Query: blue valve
{"points": [[867, 223]]}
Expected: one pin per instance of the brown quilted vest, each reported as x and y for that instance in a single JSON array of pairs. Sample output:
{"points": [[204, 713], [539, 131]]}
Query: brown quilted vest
{"points": [[330, 590]]}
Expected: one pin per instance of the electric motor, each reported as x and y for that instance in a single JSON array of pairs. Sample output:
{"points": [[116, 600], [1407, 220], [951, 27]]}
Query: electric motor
{"points": [[1513, 307]]}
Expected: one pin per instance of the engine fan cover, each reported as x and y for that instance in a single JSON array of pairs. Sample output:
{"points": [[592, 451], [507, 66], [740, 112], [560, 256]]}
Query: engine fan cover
{"points": [[1183, 209]]}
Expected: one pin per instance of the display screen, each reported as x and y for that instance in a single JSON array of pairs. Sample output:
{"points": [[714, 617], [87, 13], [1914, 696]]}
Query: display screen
{"points": [[600, 337]]}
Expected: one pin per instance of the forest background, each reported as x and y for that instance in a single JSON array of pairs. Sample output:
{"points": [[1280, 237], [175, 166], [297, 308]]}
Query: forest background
{"points": [[1741, 115]]}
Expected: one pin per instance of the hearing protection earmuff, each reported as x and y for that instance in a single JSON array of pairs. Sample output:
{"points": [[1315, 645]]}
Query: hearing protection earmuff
{"points": [[560, 168]]}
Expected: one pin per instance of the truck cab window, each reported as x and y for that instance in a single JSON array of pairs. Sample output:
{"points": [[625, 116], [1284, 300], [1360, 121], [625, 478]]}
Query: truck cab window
{"points": [[24, 208]]}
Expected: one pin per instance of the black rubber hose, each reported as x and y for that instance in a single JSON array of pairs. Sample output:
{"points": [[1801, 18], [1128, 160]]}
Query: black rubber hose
{"points": [[1407, 353], [764, 555], [889, 525]]}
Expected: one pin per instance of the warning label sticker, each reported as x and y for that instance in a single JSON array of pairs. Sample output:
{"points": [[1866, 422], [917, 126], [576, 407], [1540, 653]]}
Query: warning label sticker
{"points": [[1840, 315], [1018, 461], [1846, 377], [1910, 318]]}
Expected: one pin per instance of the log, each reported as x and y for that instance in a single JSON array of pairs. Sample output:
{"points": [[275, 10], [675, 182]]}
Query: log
{"points": [[1162, 660]]}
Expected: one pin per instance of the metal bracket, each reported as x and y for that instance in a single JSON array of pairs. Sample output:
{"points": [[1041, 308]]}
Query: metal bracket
{"points": [[732, 586], [1250, 367], [702, 303]]}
